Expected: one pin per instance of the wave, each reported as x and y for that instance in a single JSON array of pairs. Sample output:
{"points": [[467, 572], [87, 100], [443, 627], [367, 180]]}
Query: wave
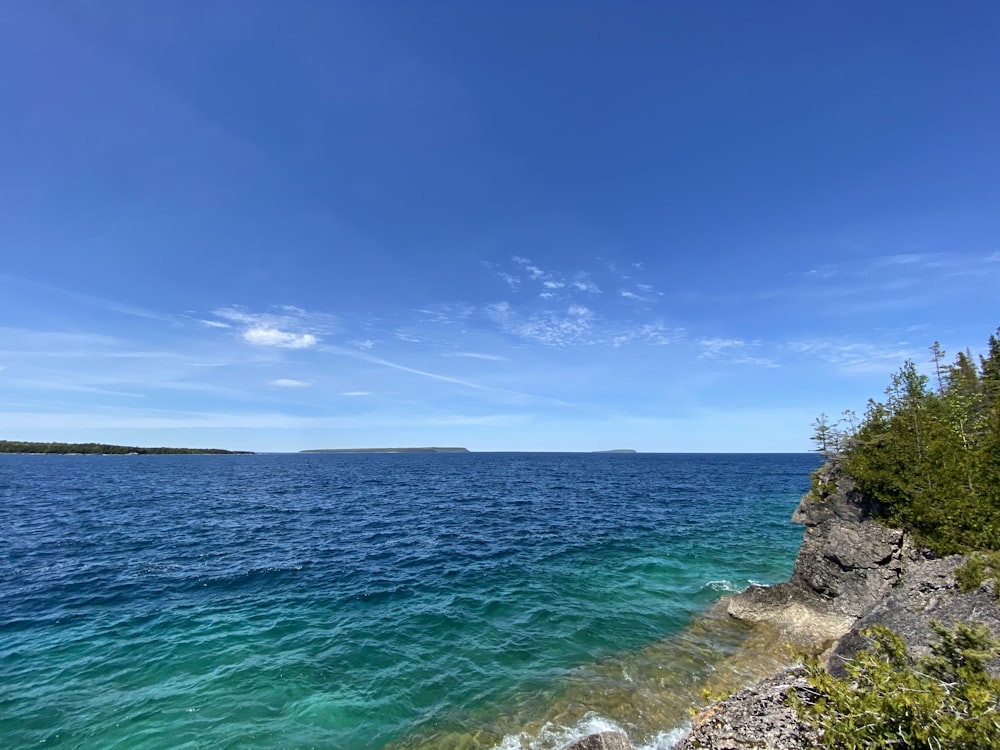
{"points": [[722, 585], [551, 736]]}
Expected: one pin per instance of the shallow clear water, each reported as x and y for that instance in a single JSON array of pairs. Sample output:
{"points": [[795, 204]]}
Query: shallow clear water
{"points": [[373, 600]]}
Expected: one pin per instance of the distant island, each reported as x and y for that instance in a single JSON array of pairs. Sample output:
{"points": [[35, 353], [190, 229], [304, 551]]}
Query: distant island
{"points": [[618, 450], [387, 450], [20, 446]]}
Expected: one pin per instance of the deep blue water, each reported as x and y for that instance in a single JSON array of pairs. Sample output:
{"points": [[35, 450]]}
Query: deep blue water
{"points": [[370, 600]]}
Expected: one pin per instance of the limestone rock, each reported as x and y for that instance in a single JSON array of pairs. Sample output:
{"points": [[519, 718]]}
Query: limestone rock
{"points": [[846, 563], [851, 572], [927, 593], [602, 741], [756, 717]]}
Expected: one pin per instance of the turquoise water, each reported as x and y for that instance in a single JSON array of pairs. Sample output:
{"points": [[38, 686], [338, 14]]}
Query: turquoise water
{"points": [[374, 600]]}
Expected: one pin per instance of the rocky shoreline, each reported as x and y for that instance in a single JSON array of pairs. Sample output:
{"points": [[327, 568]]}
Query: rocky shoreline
{"points": [[851, 573]]}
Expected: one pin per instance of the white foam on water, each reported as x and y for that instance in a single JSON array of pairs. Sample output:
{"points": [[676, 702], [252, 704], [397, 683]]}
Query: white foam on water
{"points": [[665, 740], [552, 736], [723, 585], [555, 737]]}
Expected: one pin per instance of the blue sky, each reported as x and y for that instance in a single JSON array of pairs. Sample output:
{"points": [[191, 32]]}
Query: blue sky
{"points": [[667, 226]]}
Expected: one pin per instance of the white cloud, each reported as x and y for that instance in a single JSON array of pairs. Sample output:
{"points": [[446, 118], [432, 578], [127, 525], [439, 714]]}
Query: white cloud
{"points": [[289, 327], [290, 383], [365, 344], [214, 324], [261, 336], [356, 393]]}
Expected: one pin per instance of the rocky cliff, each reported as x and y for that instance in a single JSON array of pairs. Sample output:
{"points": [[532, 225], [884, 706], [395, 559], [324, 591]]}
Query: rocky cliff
{"points": [[851, 572]]}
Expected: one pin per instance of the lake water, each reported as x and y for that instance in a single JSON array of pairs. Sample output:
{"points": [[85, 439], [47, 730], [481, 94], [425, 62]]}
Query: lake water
{"points": [[348, 601]]}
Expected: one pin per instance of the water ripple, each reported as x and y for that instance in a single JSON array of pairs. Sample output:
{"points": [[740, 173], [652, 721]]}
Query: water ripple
{"points": [[361, 601]]}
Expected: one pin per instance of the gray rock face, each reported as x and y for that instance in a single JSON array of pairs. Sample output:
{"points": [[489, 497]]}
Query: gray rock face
{"points": [[849, 575], [602, 741], [927, 593], [846, 563]]}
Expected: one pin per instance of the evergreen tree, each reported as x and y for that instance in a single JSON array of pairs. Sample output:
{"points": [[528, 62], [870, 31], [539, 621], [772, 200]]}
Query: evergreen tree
{"points": [[931, 459]]}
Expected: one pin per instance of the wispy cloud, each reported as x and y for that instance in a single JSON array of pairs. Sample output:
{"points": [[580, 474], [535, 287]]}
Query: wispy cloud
{"points": [[356, 393], [290, 383], [734, 351], [576, 325], [214, 421], [477, 355], [548, 284], [286, 327], [101, 303], [856, 357]]}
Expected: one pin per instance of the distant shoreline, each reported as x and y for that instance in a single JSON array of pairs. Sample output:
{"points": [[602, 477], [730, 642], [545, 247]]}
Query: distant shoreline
{"points": [[104, 449]]}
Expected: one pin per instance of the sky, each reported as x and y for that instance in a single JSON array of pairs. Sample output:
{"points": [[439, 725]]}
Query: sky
{"points": [[539, 226]]}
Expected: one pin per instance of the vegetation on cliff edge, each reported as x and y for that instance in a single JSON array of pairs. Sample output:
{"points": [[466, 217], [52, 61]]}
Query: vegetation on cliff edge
{"points": [[929, 454], [887, 702]]}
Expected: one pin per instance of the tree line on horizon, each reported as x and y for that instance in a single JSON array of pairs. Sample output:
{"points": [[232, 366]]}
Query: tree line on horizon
{"points": [[22, 446], [929, 453]]}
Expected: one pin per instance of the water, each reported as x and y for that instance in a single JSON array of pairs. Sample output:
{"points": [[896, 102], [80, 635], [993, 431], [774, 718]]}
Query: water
{"points": [[376, 600]]}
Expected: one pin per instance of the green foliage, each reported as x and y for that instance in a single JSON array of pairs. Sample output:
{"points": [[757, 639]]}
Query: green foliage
{"points": [[945, 700], [930, 458], [979, 567], [821, 485]]}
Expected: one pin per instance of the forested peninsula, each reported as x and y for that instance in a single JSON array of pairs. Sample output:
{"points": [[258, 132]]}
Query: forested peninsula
{"points": [[894, 600], [21, 446]]}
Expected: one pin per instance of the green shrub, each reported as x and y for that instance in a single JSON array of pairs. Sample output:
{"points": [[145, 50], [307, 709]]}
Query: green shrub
{"points": [[979, 567], [944, 701]]}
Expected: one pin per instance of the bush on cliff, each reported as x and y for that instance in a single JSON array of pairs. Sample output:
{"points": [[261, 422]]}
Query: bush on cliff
{"points": [[886, 702], [929, 455]]}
